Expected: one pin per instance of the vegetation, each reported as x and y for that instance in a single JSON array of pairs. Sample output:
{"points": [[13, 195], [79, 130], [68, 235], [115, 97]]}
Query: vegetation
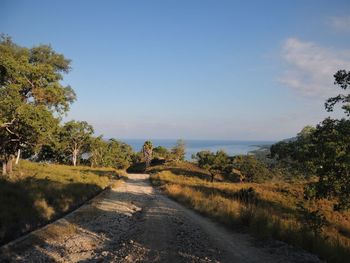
{"points": [[238, 168], [178, 151], [112, 153], [323, 151], [147, 152], [161, 152], [30, 96], [32, 102], [39, 193], [269, 209], [310, 211]]}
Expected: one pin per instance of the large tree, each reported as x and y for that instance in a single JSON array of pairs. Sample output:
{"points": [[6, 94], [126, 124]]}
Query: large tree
{"points": [[31, 96]]}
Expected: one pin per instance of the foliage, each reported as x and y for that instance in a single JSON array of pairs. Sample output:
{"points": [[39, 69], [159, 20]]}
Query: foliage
{"points": [[251, 169], [215, 163], [324, 151], [30, 94], [178, 151], [74, 138], [331, 156], [342, 79], [295, 154], [243, 167], [161, 152], [118, 155]]}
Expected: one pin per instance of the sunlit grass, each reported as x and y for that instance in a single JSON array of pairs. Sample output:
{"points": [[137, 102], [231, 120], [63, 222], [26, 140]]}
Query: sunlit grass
{"points": [[270, 212], [38, 193]]}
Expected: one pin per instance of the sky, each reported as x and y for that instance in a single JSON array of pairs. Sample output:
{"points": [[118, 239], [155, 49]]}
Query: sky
{"points": [[192, 69]]}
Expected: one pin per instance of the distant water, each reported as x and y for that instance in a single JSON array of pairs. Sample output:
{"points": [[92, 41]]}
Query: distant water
{"points": [[194, 146]]}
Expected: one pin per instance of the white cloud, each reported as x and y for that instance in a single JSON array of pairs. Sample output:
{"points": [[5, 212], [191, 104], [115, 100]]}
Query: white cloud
{"points": [[340, 23], [310, 67]]}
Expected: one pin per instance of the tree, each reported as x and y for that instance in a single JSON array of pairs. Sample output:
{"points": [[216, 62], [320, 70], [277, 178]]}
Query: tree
{"points": [[97, 149], [214, 163], [252, 169], [75, 137], [161, 152], [147, 152], [342, 79], [325, 151], [178, 151], [331, 157], [294, 155], [30, 96], [119, 154]]}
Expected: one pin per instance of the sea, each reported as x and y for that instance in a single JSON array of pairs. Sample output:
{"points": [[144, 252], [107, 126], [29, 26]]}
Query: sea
{"points": [[231, 147]]}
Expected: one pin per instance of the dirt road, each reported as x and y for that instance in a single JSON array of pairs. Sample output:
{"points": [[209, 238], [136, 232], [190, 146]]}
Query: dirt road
{"points": [[135, 223]]}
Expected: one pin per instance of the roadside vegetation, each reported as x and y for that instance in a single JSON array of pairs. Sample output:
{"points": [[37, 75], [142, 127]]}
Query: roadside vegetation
{"points": [[273, 209], [37, 193], [297, 191], [67, 160]]}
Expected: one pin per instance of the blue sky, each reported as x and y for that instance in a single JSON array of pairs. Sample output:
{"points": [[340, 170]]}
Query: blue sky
{"points": [[256, 70]]}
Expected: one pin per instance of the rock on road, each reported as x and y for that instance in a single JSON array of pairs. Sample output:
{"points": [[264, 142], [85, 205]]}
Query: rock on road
{"points": [[134, 222]]}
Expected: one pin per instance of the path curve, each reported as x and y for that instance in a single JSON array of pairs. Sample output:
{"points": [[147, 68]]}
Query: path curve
{"points": [[136, 223]]}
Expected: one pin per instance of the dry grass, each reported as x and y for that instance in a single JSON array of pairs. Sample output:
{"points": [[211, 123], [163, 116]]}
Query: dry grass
{"points": [[268, 212], [39, 193]]}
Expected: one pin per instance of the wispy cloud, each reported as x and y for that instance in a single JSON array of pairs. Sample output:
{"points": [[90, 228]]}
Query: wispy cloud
{"points": [[340, 23], [310, 67]]}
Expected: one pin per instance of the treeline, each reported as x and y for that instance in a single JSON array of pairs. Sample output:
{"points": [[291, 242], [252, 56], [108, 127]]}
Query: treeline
{"points": [[32, 104]]}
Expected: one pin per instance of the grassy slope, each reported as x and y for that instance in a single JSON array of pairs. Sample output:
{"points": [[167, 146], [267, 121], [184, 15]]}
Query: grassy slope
{"points": [[270, 213], [37, 193]]}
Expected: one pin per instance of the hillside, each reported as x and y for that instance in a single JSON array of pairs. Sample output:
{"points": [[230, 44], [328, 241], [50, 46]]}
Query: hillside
{"points": [[267, 210], [38, 193]]}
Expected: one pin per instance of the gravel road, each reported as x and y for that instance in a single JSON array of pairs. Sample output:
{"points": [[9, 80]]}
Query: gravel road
{"points": [[136, 223]]}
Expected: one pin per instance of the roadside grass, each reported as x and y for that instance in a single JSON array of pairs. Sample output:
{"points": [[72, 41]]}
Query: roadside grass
{"points": [[267, 211], [36, 194]]}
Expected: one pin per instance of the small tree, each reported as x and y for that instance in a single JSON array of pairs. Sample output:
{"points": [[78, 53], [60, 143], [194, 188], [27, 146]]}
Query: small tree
{"points": [[97, 150], [214, 163], [161, 152], [147, 150], [119, 154], [178, 151], [75, 137]]}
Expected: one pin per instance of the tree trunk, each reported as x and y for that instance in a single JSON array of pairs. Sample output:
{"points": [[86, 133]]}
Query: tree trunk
{"points": [[4, 171], [75, 156], [18, 156], [74, 159]]}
